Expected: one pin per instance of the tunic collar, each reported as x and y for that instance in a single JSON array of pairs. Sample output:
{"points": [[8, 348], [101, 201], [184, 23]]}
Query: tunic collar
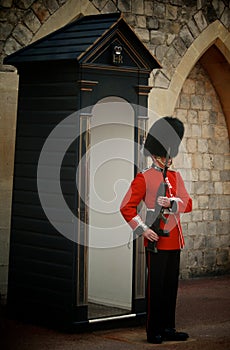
{"points": [[156, 167]]}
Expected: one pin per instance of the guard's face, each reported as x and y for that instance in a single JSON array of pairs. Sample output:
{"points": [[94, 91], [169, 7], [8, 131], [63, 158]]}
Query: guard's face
{"points": [[162, 161]]}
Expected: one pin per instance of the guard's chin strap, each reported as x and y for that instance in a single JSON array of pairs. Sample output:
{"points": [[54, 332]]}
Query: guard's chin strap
{"points": [[158, 162]]}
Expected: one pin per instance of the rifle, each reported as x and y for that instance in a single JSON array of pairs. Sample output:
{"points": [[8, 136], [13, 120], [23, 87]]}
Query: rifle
{"points": [[154, 217]]}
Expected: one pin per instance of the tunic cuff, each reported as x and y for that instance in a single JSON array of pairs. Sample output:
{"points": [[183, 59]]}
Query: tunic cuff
{"points": [[141, 226]]}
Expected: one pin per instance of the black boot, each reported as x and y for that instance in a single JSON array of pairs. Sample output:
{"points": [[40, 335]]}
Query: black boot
{"points": [[171, 334], [154, 338]]}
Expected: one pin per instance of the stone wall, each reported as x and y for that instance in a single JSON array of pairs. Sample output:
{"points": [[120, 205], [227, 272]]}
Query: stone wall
{"points": [[206, 145], [177, 32]]}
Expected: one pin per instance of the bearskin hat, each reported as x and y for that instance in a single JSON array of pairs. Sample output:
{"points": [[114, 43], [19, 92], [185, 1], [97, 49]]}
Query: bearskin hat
{"points": [[164, 136]]}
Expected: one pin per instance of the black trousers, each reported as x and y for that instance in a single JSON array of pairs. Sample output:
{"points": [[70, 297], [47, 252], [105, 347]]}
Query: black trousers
{"points": [[162, 286]]}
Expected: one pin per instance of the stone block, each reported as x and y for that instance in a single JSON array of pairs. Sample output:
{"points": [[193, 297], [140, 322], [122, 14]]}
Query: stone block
{"points": [[183, 261], [191, 145], [170, 38], [11, 46], [195, 174], [214, 202], [218, 161], [215, 175], [197, 215], [52, 5], [210, 258], [148, 9], [161, 80], [200, 87], [195, 258], [222, 228], [131, 19], [41, 11], [197, 161], [216, 215], [182, 115], [137, 6], [186, 36], [225, 18], [226, 187], [192, 228], [160, 52], [171, 12], [211, 228], [172, 56], [227, 161], [208, 215], [207, 131], [152, 23], [193, 28], [220, 132], [196, 101], [124, 5], [213, 117], [208, 161], [179, 46], [199, 242], [224, 241], [24, 4], [203, 202], [141, 21], [204, 175], [202, 228], [222, 257], [225, 215], [159, 10], [22, 34], [109, 7], [196, 130], [218, 187], [189, 88], [185, 217], [157, 37], [208, 102], [224, 202], [143, 34], [184, 101], [189, 242], [218, 6], [5, 30], [201, 187], [32, 22], [200, 21]]}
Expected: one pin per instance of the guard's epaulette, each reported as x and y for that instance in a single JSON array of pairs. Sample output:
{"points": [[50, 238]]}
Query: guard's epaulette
{"points": [[171, 169], [145, 169]]}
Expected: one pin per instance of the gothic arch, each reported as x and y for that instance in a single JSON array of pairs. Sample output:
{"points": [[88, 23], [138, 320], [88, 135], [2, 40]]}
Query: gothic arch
{"points": [[164, 101]]}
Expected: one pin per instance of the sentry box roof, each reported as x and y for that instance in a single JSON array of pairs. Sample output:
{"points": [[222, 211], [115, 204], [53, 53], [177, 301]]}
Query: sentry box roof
{"points": [[89, 39]]}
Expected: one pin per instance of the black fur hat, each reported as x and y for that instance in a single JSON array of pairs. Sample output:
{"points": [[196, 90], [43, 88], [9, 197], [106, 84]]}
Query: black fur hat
{"points": [[164, 135]]}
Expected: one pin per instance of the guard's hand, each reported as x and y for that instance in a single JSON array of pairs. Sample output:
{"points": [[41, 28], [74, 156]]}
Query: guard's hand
{"points": [[164, 202], [150, 235]]}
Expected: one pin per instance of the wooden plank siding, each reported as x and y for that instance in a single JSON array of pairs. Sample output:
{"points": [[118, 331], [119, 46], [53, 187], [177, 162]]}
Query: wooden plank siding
{"points": [[41, 259]]}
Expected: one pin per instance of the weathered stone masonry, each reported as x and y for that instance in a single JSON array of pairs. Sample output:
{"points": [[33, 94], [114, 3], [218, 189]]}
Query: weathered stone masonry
{"points": [[178, 32]]}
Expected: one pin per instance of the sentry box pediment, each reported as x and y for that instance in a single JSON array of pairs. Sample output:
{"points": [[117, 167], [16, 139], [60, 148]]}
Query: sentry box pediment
{"points": [[84, 86]]}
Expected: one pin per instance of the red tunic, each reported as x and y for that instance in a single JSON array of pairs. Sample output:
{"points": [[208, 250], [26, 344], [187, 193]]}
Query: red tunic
{"points": [[144, 188]]}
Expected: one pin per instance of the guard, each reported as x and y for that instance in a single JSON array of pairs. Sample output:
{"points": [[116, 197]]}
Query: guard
{"points": [[163, 191]]}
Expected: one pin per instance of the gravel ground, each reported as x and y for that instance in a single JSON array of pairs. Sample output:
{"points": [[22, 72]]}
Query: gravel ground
{"points": [[203, 310]]}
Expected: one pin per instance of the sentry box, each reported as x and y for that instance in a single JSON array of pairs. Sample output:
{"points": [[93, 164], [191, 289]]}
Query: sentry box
{"points": [[82, 114]]}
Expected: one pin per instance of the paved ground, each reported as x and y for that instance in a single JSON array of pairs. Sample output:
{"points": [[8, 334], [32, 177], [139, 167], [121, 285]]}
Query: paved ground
{"points": [[203, 311]]}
